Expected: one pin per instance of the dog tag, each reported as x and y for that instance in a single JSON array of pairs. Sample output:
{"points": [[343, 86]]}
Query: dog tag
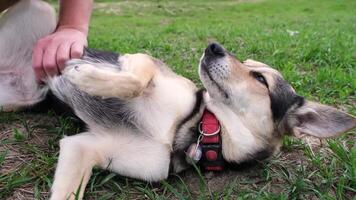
{"points": [[194, 153]]}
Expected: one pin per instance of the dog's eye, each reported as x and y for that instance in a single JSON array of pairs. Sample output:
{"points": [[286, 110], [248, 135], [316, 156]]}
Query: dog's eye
{"points": [[260, 78]]}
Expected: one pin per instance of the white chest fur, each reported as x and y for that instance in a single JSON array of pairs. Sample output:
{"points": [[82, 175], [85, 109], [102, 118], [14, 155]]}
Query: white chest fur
{"points": [[165, 105]]}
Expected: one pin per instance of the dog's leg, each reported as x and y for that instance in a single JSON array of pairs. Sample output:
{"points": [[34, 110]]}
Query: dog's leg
{"points": [[139, 157], [128, 153], [78, 155], [101, 82], [137, 71]]}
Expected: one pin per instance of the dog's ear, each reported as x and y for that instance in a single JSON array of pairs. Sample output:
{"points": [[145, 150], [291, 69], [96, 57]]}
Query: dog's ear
{"points": [[254, 63], [319, 120]]}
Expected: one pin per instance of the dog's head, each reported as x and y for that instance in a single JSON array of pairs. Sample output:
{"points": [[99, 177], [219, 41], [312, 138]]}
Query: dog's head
{"points": [[256, 106]]}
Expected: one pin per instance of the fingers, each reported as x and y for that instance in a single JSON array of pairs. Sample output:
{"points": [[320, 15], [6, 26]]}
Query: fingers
{"points": [[49, 60], [44, 59], [37, 62], [63, 54], [51, 52], [76, 50]]}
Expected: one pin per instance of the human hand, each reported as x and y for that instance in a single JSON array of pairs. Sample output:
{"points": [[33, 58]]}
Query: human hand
{"points": [[51, 52]]}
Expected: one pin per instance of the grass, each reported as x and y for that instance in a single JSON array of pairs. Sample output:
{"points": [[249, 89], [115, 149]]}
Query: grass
{"points": [[311, 42]]}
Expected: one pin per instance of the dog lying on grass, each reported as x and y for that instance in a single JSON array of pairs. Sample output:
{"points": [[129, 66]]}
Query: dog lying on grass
{"points": [[143, 120]]}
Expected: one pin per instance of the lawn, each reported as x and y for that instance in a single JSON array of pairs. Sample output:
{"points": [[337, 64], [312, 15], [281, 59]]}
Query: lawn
{"points": [[312, 43]]}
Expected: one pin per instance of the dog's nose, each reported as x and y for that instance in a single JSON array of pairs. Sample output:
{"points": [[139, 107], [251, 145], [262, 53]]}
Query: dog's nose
{"points": [[214, 49]]}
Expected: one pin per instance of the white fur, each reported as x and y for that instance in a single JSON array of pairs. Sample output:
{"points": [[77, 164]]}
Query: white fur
{"points": [[95, 81], [144, 153], [235, 148], [125, 153]]}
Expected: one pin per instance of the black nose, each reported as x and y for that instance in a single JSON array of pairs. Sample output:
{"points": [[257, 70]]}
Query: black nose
{"points": [[214, 49]]}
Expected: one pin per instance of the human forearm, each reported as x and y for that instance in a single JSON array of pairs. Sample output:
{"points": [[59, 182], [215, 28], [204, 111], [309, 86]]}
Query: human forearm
{"points": [[51, 52], [75, 14]]}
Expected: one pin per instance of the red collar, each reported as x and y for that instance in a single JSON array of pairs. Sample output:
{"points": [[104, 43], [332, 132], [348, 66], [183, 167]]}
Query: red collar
{"points": [[209, 130]]}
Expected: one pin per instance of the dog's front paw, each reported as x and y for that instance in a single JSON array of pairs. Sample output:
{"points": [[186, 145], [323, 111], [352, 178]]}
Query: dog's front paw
{"points": [[104, 82], [86, 77], [80, 73]]}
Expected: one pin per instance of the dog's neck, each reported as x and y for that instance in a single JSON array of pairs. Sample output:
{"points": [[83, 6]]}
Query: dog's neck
{"points": [[236, 138], [188, 133], [239, 141]]}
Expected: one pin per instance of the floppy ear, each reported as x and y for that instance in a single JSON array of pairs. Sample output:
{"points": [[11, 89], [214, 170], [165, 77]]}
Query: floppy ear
{"points": [[254, 63], [319, 120]]}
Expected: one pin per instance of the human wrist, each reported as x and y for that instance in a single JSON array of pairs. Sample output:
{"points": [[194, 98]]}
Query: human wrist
{"points": [[81, 28]]}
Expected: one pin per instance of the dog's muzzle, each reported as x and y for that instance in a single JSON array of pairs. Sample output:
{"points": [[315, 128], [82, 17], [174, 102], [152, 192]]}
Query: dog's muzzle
{"points": [[212, 52]]}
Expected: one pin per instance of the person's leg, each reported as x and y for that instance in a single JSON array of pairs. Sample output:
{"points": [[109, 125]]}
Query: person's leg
{"points": [[20, 28]]}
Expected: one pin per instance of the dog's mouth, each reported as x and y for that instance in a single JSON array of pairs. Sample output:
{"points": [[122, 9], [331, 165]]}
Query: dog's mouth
{"points": [[214, 69]]}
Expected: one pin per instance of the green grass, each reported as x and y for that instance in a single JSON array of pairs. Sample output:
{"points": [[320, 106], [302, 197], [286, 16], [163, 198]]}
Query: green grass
{"points": [[319, 61]]}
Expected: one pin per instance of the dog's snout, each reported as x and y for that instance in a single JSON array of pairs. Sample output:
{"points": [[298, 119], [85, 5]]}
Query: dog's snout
{"points": [[214, 49]]}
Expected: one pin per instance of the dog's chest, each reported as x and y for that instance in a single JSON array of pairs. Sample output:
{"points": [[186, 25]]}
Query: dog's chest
{"points": [[167, 102]]}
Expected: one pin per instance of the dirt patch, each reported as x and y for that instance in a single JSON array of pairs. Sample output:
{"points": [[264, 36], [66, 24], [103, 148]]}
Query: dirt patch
{"points": [[19, 142]]}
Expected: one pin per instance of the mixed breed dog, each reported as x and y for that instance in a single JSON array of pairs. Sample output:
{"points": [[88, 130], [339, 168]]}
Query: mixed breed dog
{"points": [[143, 119]]}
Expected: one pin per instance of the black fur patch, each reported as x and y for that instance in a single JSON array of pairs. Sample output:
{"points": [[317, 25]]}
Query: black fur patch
{"points": [[196, 108], [282, 98], [110, 112], [100, 56]]}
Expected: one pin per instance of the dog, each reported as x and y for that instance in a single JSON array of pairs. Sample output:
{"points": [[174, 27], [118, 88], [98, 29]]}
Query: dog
{"points": [[143, 120]]}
